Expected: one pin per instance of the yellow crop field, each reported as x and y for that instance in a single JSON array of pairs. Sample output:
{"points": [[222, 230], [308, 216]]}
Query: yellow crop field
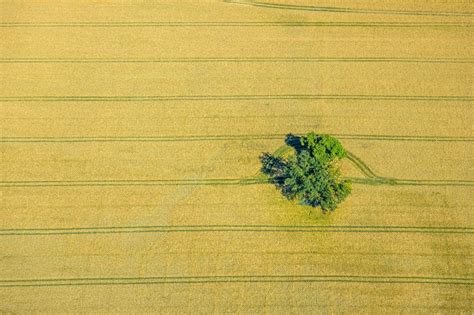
{"points": [[131, 133]]}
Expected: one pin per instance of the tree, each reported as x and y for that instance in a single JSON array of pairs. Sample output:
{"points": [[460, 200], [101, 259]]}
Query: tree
{"points": [[311, 175], [323, 147]]}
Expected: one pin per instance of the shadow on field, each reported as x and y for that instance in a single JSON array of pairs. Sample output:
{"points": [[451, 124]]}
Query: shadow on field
{"points": [[294, 142]]}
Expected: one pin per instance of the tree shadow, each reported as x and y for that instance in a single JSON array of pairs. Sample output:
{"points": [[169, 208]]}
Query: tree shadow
{"points": [[294, 141], [274, 168]]}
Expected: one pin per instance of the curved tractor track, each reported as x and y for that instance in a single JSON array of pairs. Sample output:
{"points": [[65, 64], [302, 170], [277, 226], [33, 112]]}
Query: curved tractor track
{"points": [[331, 9], [374, 179]]}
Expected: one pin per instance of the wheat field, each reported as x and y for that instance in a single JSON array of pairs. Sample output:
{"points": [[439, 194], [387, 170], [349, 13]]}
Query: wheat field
{"points": [[130, 140]]}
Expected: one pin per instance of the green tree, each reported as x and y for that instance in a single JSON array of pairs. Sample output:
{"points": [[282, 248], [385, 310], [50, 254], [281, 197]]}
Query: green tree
{"points": [[323, 147], [311, 175]]}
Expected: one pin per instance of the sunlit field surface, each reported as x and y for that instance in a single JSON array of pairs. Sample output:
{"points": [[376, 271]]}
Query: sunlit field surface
{"points": [[130, 140]]}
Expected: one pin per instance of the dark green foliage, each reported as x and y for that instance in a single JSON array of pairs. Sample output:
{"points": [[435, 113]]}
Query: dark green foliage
{"points": [[310, 176]]}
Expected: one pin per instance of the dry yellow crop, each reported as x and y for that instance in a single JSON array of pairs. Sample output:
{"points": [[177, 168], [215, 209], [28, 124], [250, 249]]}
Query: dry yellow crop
{"points": [[130, 140]]}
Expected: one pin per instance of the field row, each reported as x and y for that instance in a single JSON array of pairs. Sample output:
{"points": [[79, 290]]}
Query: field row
{"points": [[228, 41], [224, 117], [418, 80], [252, 297], [24, 162], [233, 253], [191, 205], [238, 10]]}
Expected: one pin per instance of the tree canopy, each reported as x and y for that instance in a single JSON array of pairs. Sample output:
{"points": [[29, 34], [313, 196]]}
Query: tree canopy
{"points": [[323, 147], [311, 175]]}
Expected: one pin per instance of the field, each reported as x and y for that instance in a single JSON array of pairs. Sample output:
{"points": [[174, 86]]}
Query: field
{"points": [[130, 140]]}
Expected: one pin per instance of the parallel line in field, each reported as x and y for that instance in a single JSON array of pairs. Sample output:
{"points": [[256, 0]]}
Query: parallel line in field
{"points": [[224, 138], [221, 182], [408, 182], [242, 60], [331, 9], [236, 279], [79, 98], [371, 180], [233, 24], [235, 228], [161, 182]]}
